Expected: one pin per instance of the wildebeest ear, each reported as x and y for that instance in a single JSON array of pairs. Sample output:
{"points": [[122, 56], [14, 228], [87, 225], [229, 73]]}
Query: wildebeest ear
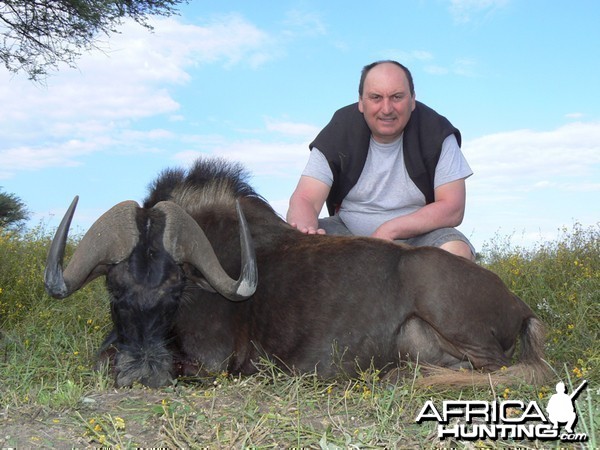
{"points": [[197, 278], [205, 285]]}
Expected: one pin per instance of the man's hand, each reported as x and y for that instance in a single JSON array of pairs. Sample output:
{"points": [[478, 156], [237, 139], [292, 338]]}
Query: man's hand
{"points": [[305, 204], [384, 232], [446, 211], [308, 230]]}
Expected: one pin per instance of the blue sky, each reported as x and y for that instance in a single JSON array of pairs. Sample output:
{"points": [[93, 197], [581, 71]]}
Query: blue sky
{"points": [[254, 83]]}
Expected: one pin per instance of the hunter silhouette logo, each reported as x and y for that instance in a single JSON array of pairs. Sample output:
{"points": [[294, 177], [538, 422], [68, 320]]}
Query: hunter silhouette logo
{"points": [[561, 406], [509, 419]]}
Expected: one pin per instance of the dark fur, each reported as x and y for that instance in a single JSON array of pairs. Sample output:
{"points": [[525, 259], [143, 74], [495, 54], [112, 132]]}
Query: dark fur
{"points": [[326, 303]]}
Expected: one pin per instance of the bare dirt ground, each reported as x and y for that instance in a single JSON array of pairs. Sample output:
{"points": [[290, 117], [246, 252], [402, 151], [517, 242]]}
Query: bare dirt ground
{"points": [[141, 412]]}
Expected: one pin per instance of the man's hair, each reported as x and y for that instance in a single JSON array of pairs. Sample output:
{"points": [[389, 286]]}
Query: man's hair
{"points": [[368, 67]]}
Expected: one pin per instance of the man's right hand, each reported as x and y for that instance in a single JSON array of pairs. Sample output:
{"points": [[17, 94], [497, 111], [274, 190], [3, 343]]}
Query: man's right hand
{"points": [[308, 230], [305, 204]]}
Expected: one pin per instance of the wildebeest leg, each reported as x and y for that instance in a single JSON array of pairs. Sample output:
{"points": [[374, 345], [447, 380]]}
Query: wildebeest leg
{"points": [[418, 341]]}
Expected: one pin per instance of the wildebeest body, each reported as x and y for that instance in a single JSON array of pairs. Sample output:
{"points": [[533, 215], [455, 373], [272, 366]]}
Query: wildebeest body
{"points": [[350, 299], [328, 304]]}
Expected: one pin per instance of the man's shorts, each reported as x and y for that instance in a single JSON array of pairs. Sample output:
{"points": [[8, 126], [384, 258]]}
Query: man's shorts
{"points": [[435, 238]]}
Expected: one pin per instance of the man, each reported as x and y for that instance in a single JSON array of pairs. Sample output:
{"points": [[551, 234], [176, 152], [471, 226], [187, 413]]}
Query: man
{"points": [[388, 167]]}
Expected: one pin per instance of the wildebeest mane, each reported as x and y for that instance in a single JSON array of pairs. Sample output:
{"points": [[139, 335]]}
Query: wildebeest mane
{"points": [[207, 183]]}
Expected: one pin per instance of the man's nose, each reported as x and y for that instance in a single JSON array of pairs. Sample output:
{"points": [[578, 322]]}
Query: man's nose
{"points": [[387, 106]]}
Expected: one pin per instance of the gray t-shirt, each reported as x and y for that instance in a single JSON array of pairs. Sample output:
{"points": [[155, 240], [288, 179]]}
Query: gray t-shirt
{"points": [[384, 190]]}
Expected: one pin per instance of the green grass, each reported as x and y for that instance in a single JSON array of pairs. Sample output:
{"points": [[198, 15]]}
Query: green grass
{"points": [[51, 397]]}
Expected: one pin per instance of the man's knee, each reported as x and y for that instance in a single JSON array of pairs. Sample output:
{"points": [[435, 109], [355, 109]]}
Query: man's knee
{"points": [[459, 248]]}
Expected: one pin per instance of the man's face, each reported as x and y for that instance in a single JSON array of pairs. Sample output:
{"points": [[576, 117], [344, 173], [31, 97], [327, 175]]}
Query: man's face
{"points": [[386, 102]]}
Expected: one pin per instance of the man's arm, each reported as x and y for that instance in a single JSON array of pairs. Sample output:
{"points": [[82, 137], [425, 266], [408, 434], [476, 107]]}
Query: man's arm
{"points": [[446, 211], [305, 205]]}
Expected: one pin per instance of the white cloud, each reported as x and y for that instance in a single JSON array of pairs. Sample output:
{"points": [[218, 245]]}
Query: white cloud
{"points": [[581, 187], [460, 66], [464, 11], [520, 160], [435, 69], [129, 78], [304, 23], [464, 67], [532, 182], [280, 148], [32, 158], [292, 128], [260, 158], [407, 57]]}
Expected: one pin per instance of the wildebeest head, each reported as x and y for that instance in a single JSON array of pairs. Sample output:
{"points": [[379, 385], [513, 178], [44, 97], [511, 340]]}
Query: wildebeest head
{"points": [[146, 255]]}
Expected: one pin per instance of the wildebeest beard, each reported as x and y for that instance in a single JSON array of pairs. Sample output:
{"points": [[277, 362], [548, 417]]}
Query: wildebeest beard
{"points": [[145, 293]]}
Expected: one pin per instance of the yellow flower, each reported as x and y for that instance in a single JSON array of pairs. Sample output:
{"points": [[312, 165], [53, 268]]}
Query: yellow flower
{"points": [[366, 392], [506, 393], [119, 423]]}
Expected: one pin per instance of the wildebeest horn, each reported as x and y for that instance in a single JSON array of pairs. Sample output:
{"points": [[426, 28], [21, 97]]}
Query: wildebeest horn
{"points": [[100, 246], [186, 242]]}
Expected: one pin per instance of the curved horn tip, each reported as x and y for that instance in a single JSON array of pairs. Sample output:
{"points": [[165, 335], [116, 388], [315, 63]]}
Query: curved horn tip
{"points": [[53, 276], [56, 290], [72, 207], [247, 288], [248, 280]]}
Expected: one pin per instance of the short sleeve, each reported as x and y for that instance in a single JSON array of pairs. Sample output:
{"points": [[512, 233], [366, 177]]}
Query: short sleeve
{"points": [[452, 164], [318, 167]]}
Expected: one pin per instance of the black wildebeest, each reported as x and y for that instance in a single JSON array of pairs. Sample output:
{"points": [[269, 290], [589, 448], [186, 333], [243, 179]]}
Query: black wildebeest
{"points": [[185, 300]]}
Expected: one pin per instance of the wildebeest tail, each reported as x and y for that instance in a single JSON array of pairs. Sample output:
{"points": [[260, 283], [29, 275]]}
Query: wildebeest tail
{"points": [[533, 338], [531, 367]]}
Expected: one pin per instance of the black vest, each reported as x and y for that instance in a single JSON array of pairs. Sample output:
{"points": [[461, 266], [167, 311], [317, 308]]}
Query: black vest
{"points": [[345, 143]]}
